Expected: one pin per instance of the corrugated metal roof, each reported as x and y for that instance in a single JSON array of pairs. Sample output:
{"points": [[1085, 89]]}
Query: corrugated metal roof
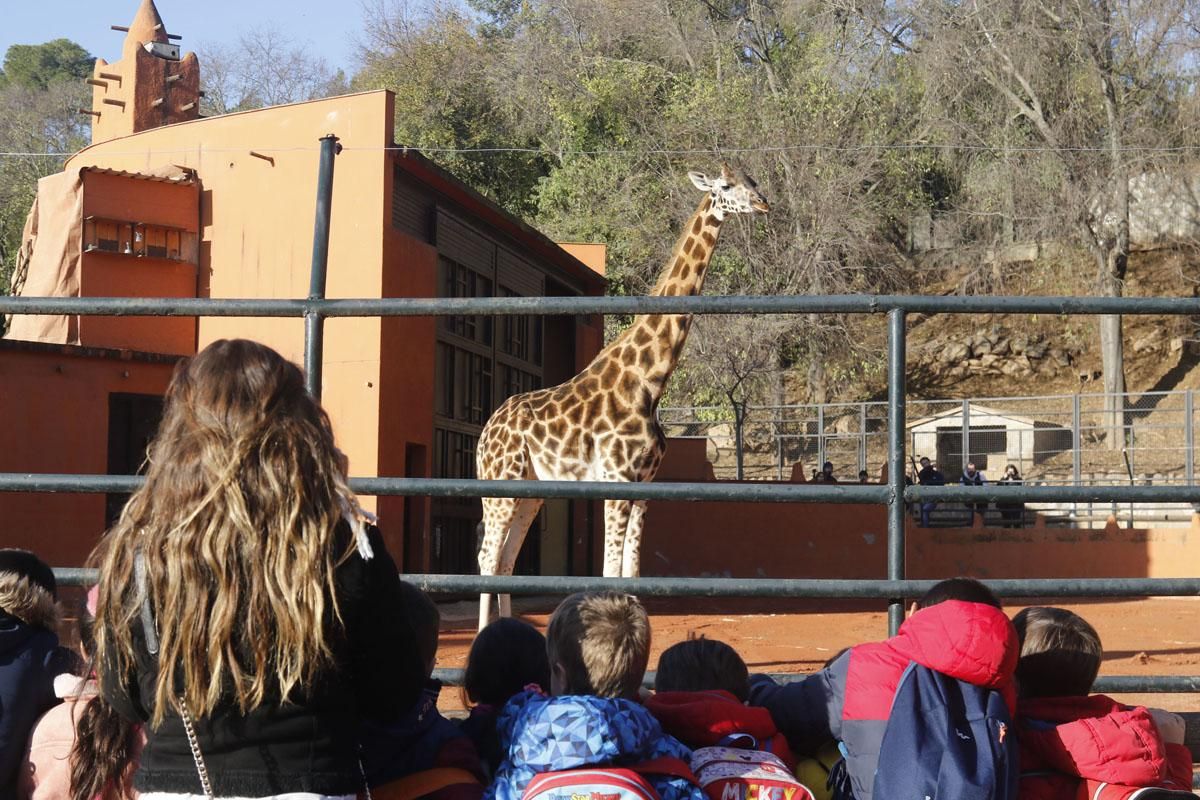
{"points": [[184, 176]]}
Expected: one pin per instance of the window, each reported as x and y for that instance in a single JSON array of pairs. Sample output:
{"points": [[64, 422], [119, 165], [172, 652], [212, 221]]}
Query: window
{"points": [[138, 239], [462, 281]]}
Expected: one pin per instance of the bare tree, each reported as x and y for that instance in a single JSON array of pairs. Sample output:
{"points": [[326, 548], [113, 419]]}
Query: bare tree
{"points": [[263, 67]]}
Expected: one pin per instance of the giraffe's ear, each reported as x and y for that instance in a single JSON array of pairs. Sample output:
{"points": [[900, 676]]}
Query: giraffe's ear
{"points": [[700, 181]]}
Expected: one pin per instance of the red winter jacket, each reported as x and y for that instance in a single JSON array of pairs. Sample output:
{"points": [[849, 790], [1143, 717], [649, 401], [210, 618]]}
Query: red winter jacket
{"points": [[1094, 748], [851, 698], [702, 719]]}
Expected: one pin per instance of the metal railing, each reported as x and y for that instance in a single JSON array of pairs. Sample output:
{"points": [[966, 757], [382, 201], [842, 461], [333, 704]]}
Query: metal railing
{"points": [[894, 494]]}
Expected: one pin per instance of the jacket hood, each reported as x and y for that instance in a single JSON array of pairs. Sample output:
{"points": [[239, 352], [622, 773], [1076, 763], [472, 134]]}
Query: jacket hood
{"points": [[553, 733], [973, 642], [1092, 737], [703, 719]]}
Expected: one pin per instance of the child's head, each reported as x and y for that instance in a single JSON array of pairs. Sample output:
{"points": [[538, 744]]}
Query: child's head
{"points": [[425, 620], [702, 665], [598, 643], [28, 590], [506, 656], [967, 590], [1060, 653]]}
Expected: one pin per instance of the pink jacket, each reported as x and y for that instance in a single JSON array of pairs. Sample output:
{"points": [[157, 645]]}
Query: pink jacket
{"points": [[46, 774]]}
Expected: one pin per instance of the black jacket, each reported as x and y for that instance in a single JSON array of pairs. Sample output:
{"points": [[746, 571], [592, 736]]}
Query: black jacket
{"points": [[309, 743], [29, 659]]}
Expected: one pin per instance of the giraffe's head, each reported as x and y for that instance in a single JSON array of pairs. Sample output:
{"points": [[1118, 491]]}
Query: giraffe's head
{"points": [[733, 192]]}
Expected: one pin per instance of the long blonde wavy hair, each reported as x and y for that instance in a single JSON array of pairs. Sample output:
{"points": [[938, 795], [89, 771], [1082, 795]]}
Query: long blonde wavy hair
{"points": [[236, 521]]}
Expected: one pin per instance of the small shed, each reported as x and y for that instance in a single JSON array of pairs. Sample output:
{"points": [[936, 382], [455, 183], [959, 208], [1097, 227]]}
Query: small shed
{"points": [[994, 438]]}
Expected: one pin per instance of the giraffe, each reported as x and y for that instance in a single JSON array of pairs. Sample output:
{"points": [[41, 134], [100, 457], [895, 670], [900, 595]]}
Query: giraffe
{"points": [[602, 424]]}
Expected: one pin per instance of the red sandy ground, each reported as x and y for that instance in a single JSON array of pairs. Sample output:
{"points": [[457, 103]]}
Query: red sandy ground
{"points": [[1151, 636]]}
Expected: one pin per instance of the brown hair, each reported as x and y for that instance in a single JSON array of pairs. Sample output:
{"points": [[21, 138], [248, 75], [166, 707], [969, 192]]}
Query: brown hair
{"points": [[1060, 653], [102, 756], [602, 642], [240, 521], [701, 665]]}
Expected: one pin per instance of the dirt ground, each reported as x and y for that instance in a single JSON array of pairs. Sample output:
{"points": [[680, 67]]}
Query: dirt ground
{"points": [[1149, 636]]}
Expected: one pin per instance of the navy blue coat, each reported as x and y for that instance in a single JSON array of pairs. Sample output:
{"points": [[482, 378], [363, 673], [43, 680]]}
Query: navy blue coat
{"points": [[29, 659]]}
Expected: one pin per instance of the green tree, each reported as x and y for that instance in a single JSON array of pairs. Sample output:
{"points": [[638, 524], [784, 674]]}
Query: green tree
{"points": [[37, 66]]}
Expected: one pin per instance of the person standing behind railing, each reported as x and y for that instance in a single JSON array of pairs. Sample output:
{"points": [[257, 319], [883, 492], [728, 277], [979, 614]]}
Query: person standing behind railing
{"points": [[1011, 513], [246, 613], [973, 477], [929, 475]]}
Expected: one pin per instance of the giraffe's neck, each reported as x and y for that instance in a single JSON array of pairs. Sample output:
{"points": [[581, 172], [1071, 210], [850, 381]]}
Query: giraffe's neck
{"points": [[657, 339]]}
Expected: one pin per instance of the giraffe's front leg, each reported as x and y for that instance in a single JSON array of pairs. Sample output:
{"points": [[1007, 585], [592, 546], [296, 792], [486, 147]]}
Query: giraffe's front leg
{"points": [[631, 559], [616, 523]]}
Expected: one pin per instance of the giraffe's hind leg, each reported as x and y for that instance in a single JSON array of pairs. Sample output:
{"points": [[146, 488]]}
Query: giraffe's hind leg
{"points": [[631, 560], [616, 522], [524, 514]]}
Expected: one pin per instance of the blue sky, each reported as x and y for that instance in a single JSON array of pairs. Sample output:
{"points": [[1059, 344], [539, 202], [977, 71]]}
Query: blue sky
{"points": [[327, 26]]}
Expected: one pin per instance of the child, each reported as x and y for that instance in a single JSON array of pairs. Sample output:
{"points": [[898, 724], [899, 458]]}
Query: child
{"points": [[598, 645], [30, 657], [421, 754], [81, 748], [958, 629], [1072, 742], [506, 656], [701, 689]]}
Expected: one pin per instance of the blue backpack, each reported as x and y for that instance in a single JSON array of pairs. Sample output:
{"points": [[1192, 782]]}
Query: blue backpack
{"points": [[946, 739]]}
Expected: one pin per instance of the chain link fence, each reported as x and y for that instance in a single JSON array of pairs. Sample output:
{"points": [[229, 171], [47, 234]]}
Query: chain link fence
{"points": [[1092, 439]]}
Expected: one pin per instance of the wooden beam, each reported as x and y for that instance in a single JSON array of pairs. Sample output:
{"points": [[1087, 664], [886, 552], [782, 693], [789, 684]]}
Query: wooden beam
{"points": [[89, 112], [173, 78], [95, 82], [112, 76], [157, 102], [112, 102], [120, 28], [187, 106]]}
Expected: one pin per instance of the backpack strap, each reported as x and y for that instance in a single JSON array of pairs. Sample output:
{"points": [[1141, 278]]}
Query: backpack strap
{"points": [[667, 765], [425, 782]]}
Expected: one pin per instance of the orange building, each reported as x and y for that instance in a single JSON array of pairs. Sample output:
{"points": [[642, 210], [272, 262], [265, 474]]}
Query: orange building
{"points": [[166, 205]]}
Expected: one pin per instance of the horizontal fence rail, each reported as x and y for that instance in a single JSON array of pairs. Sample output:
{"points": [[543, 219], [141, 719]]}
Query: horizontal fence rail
{"points": [[727, 304], [754, 587], [894, 495], [706, 491]]}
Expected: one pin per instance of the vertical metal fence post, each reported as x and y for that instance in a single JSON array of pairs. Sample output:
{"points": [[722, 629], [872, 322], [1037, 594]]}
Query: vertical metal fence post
{"points": [[314, 321], [1077, 445], [897, 393], [739, 420], [820, 436], [862, 436], [1189, 438], [965, 455]]}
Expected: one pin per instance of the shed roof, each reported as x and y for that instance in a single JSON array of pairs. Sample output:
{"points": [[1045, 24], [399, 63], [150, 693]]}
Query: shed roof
{"points": [[976, 410]]}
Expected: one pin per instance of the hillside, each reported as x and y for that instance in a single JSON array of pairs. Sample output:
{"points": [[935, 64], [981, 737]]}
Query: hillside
{"points": [[1002, 355]]}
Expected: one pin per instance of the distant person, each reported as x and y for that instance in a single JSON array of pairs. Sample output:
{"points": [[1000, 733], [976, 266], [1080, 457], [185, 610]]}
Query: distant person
{"points": [[929, 475], [973, 477], [827, 475], [1077, 744], [1011, 513], [863, 476]]}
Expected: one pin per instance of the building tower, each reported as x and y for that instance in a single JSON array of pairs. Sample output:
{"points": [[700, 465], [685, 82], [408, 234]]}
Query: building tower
{"points": [[150, 86]]}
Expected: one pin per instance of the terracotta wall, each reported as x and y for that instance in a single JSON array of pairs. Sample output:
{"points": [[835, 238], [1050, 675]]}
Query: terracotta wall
{"points": [[256, 218], [825, 540], [60, 404]]}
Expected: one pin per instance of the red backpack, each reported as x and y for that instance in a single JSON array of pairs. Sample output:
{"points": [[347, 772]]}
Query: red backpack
{"points": [[730, 773], [605, 783]]}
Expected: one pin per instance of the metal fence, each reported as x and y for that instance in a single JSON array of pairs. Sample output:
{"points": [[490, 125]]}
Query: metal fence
{"points": [[1053, 440], [894, 494]]}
